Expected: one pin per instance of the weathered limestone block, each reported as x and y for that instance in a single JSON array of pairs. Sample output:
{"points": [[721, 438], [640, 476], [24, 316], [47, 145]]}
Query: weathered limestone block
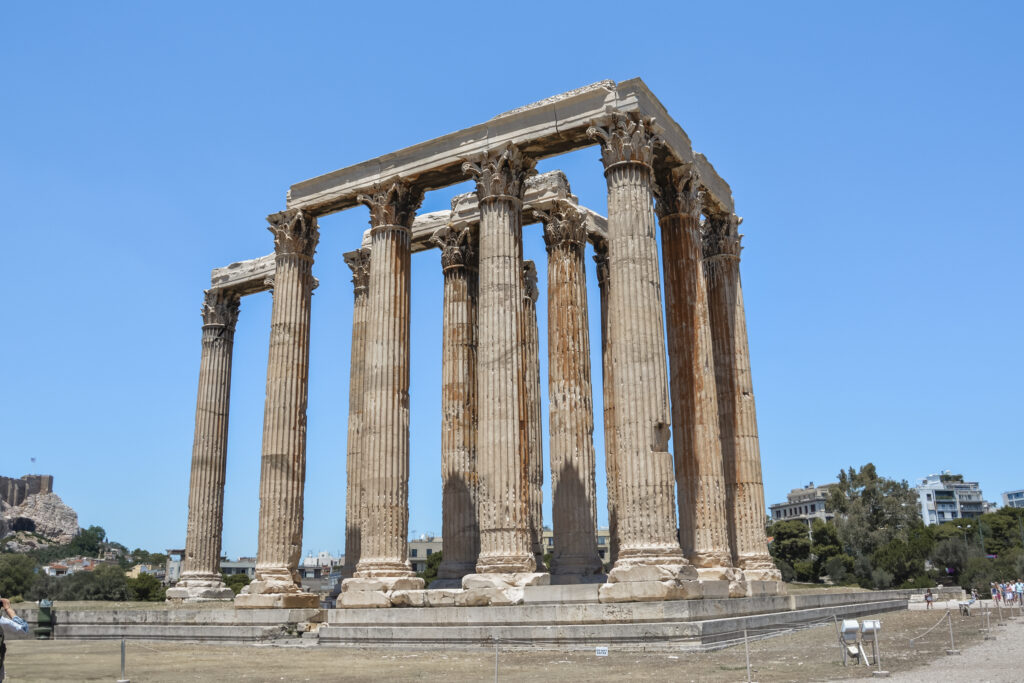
{"points": [[283, 467], [650, 591], [363, 599]]}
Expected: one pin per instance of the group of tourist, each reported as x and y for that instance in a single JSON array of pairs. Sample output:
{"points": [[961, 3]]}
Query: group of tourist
{"points": [[1008, 593]]}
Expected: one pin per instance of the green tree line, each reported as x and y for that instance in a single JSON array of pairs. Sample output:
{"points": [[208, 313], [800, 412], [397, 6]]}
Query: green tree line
{"points": [[878, 540]]}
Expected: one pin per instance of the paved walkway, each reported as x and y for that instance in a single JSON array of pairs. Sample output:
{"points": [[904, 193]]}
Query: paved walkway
{"points": [[991, 661]]}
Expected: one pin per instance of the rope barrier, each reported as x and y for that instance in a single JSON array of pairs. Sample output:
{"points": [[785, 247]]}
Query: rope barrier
{"points": [[941, 619]]}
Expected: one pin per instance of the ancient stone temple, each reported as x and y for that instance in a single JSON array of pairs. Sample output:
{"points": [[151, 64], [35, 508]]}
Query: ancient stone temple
{"points": [[685, 497]]}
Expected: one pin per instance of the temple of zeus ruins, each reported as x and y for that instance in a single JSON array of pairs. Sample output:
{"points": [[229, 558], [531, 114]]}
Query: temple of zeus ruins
{"points": [[685, 497]]}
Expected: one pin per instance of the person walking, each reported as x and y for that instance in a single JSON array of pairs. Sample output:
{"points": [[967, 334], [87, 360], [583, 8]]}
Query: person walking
{"points": [[9, 621], [929, 600]]}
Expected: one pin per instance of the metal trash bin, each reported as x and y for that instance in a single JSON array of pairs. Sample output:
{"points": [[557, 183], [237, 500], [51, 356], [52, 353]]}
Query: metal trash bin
{"points": [[44, 623]]}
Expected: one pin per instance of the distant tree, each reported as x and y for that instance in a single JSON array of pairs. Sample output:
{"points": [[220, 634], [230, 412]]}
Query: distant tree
{"points": [[88, 542], [824, 546], [146, 588], [105, 582], [236, 582], [791, 545], [951, 556], [872, 510], [15, 574], [946, 478], [429, 573]]}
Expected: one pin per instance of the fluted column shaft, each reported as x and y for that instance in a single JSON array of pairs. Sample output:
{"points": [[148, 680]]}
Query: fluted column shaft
{"points": [[210, 445], [283, 462], [646, 492], [503, 458], [534, 426], [703, 525], [385, 438], [571, 409], [608, 397], [736, 410], [355, 506], [460, 527]]}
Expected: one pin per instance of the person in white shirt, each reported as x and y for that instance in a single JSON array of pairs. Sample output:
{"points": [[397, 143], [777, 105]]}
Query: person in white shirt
{"points": [[9, 621]]}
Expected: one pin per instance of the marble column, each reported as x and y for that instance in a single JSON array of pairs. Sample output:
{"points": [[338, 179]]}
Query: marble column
{"points": [[534, 425], [502, 436], [571, 408], [459, 524], [359, 262], [703, 525], [283, 462], [649, 545], [737, 416], [608, 397], [385, 438], [200, 575]]}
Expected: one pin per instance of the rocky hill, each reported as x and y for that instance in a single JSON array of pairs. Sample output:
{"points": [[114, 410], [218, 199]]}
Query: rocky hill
{"points": [[29, 509]]}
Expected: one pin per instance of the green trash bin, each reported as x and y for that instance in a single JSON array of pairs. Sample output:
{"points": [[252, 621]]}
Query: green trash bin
{"points": [[44, 625]]}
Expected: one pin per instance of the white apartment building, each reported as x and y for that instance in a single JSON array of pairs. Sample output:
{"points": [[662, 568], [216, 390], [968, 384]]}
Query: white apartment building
{"points": [[946, 496]]}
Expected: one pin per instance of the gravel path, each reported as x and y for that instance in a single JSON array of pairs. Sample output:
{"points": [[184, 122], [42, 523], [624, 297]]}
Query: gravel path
{"points": [[990, 661]]}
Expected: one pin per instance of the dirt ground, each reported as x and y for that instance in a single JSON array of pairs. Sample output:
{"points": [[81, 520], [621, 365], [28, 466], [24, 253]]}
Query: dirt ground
{"points": [[808, 655]]}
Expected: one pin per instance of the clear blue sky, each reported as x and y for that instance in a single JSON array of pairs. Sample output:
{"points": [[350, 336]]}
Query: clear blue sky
{"points": [[873, 150]]}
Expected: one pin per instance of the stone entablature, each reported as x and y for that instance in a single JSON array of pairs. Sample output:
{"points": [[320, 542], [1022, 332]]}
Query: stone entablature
{"points": [[552, 126]]}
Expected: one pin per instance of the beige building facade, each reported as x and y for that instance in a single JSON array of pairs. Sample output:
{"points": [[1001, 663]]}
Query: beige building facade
{"points": [[685, 498]]}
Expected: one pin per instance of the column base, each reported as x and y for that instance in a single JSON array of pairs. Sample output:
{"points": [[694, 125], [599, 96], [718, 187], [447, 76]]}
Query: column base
{"points": [[507, 564], [494, 588], [362, 592], [275, 588], [759, 568], [383, 570], [639, 581], [722, 582], [199, 588]]}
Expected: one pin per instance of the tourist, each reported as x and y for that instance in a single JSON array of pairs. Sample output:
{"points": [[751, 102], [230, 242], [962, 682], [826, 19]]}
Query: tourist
{"points": [[1019, 587], [996, 593], [9, 621], [928, 599]]}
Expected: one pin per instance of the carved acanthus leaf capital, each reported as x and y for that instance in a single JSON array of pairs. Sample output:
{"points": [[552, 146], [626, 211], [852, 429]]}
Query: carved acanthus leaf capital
{"points": [[359, 262], [456, 247], [679, 192], [501, 173], [392, 202], [564, 225], [721, 236], [530, 290], [220, 307], [295, 233], [625, 137]]}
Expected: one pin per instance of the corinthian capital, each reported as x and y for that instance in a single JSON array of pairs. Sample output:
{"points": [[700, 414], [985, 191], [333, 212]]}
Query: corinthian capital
{"points": [[565, 225], [679, 192], [501, 173], [295, 233], [220, 307], [456, 248], [393, 202], [530, 290], [721, 236], [625, 137], [359, 262]]}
